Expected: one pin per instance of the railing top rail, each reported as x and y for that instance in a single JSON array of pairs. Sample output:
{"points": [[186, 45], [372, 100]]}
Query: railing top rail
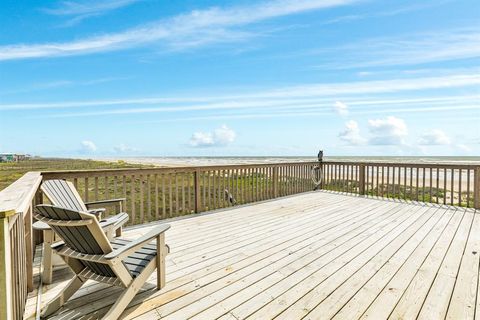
{"points": [[17, 197], [119, 172], [144, 171], [406, 164]]}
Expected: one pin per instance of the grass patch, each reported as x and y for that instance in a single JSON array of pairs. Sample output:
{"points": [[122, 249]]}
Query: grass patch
{"points": [[11, 171]]}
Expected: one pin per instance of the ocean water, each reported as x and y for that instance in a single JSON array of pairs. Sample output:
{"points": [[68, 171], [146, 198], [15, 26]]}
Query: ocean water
{"points": [[205, 161]]}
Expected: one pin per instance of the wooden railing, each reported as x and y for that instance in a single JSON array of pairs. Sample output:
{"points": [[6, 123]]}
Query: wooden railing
{"points": [[16, 250], [457, 185], [160, 193]]}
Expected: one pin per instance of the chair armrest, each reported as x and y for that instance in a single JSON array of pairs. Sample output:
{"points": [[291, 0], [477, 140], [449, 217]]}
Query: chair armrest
{"points": [[136, 244], [111, 202], [116, 220], [97, 212]]}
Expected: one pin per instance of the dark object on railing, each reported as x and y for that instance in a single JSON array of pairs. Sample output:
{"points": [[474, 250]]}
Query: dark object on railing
{"points": [[317, 172], [320, 156], [229, 197]]}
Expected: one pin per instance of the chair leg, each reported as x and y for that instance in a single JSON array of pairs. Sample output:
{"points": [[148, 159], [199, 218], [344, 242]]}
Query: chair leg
{"points": [[161, 253], [118, 232], [48, 239], [62, 297], [126, 297]]}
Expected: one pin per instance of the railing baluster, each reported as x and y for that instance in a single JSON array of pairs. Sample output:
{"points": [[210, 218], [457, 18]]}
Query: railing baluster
{"points": [[198, 207], [257, 185], [367, 189], [444, 185], [204, 188], [189, 190], [115, 186], [393, 182], [209, 190], [423, 184], [214, 191], [476, 188], [86, 189], [149, 199], [411, 183], [468, 188], [157, 209], [252, 185], [183, 194], [452, 174], [164, 199], [96, 189], [417, 182], [132, 195], [142, 208], [105, 186], [236, 186], [400, 182], [430, 182], [170, 194], [459, 187]]}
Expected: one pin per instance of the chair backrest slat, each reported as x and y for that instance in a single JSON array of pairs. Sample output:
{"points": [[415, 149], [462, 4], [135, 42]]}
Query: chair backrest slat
{"points": [[63, 194], [88, 239]]}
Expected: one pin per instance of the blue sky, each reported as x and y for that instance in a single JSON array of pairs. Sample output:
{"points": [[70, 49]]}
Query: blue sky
{"points": [[212, 78]]}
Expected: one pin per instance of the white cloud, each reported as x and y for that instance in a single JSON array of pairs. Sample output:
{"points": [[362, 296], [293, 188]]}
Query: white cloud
{"points": [[341, 108], [351, 134], [387, 13], [411, 49], [201, 139], [220, 137], [434, 137], [388, 131], [437, 137], [123, 148], [463, 148], [294, 98], [87, 7], [88, 146], [198, 27], [224, 135], [81, 10]]}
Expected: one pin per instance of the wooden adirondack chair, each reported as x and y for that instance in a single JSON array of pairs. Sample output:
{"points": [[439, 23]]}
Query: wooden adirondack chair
{"points": [[89, 253], [63, 194]]}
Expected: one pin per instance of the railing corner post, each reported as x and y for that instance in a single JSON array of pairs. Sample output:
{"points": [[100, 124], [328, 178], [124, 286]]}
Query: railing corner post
{"points": [[275, 181], [476, 188], [198, 204], [361, 179]]}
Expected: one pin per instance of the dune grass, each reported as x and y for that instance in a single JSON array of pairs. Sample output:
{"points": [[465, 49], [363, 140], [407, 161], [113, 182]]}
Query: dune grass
{"points": [[11, 171]]}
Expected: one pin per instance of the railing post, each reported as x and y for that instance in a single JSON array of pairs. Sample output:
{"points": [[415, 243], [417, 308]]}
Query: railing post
{"points": [[322, 178], [197, 196], [6, 311], [275, 181], [361, 179], [29, 247], [476, 188]]}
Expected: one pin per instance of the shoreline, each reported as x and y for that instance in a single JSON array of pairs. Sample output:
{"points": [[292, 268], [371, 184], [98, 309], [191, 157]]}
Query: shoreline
{"points": [[206, 161]]}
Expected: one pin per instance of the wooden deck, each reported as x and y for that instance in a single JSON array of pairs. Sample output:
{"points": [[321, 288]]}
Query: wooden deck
{"points": [[313, 256]]}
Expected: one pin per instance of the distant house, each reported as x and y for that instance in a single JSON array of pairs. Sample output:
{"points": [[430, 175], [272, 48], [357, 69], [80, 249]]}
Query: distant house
{"points": [[7, 157], [13, 157]]}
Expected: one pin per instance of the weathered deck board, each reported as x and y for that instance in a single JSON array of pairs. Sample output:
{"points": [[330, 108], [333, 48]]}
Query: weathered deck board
{"points": [[316, 255]]}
